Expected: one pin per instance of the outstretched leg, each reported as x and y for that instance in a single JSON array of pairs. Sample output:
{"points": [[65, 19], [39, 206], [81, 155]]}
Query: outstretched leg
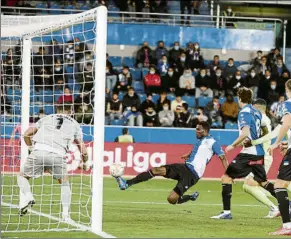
{"points": [[27, 198]]}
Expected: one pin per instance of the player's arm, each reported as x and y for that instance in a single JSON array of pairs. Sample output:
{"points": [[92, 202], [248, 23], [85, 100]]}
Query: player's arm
{"points": [[245, 132], [286, 125], [271, 135], [224, 161], [28, 135], [186, 156], [82, 148], [217, 149]]}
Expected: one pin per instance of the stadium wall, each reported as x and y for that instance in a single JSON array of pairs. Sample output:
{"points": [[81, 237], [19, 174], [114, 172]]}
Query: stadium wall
{"points": [[153, 147]]}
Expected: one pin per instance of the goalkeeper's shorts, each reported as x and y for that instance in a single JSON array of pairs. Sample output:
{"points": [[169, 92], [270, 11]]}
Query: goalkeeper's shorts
{"points": [[40, 161]]}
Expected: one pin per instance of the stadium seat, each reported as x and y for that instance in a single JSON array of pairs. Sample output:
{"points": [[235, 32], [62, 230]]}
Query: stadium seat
{"points": [[115, 60], [230, 125], [120, 95], [222, 100], [144, 72], [41, 5], [156, 98], [69, 69], [136, 74], [129, 61], [171, 97], [190, 100], [142, 97], [16, 109], [235, 99], [84, 7], [138, 86], [34, 110], [69, 7], [203, 101], [49, 109], [117, 122], [55, 6]]}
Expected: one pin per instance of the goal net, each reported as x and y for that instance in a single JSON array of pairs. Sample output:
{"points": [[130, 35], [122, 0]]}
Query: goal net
{"points": [[50, 60]]}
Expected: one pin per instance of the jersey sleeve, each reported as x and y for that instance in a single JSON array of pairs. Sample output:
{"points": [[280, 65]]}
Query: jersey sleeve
{"points": [[78, 133], [286, 107], [244, 119], [39, 123], [217, 149]]}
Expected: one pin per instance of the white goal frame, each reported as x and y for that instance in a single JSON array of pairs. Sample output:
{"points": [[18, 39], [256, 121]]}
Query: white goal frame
{"points": [[24, 33]]}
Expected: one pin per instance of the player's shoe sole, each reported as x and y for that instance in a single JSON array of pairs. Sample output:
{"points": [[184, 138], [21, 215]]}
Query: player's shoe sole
{"points": [[224, 216], [24, 209]]}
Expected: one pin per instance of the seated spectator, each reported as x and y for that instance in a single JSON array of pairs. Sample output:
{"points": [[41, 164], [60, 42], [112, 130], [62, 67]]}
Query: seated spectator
{"points": [[264, 85], [263, 67], [163, 66], [252, 81], [86, 78], [130, 99], [152, 81], [55, 50], [111, 80], [147, 103], [202, 85], [213, 110], [80, 49], [124, 80], [41, 59], [83, 108], [187, 82], [176, 102], [272, 56], [282, 80], [257, 60], [175, 53], [187, 114], [181, 64], [277, 110], [273, 94], [42, 79], [170, 81], [133, 116], [213, 65], [69, 52], [235, 83], [180, 120], [199, 117], [195, 58], [67, 97], [144, 56], [150, 117], [108, 63], [166, 116], [230, 69], [114, 108], [219, 83], [160, 51], [162, 100], [229, 109], [278, 68]]}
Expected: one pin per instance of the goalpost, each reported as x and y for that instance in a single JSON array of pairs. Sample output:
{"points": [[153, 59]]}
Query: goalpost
{"points": [[31, 85]]}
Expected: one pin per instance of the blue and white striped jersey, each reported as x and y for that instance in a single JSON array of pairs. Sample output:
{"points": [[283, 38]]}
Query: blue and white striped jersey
{"points": [[287, 110]]}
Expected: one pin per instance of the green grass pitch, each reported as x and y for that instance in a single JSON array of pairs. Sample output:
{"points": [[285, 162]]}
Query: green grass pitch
{"points": [[141, 211]]}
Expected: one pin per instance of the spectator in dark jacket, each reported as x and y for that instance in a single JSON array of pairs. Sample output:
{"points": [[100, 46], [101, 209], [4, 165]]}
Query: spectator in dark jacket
{"points": [[213, 111], [124, 80], [263, 67], [272, 56], [147, 103], [181, 119], [218, 83], [195, 58], [163, 66], [203, 83], [114, 108], [162, 100], [144, 56], [175, 53], [257, 60], [108, 63], [282, 80], [160, 51], [264, 85], [55, 50], [213, 65], [170, 81], [273, 93], [252, 81], [279, 68], [150, 117], [152, 81], [230, 69], [235, 83], [181, 64], [130, 99]]}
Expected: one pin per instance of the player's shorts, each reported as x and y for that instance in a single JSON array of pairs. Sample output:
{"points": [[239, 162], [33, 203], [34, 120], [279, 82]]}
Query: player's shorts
{"points": [[183, 175], [244, 164], [39, 161], [285, 167]]}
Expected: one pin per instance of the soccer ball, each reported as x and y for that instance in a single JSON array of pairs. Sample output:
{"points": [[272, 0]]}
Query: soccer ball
{"points": [[116, 170]]}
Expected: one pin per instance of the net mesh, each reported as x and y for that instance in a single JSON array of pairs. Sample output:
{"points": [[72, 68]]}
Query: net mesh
{"points": [[62, 63]]}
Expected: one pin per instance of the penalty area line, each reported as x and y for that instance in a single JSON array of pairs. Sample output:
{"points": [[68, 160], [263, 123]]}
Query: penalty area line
{"points": [[72, 223]]}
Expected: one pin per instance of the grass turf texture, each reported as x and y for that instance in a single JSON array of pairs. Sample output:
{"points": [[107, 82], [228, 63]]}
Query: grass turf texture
{"points": [[142, 211]]}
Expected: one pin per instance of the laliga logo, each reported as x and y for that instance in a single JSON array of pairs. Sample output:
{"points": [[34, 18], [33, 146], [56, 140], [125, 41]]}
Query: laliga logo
{"points": [[140, 161]]}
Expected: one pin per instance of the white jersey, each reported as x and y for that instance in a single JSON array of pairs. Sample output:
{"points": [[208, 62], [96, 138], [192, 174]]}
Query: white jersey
{"points": [[56, 133], [266, 122]]}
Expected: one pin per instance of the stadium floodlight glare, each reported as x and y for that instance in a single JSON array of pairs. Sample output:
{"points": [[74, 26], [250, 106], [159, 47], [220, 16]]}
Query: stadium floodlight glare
{"points": [[24, 97]]}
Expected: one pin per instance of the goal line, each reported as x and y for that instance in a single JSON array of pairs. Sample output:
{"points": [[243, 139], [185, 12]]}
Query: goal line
{"points": [[79, 227]]}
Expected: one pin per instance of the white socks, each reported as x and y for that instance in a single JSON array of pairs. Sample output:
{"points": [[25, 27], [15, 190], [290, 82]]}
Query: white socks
{"points": [[25, 191], [66, 198]]}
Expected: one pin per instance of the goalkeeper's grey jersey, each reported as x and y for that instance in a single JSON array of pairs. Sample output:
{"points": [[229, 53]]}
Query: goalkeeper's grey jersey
{"points": [[56, 133]]}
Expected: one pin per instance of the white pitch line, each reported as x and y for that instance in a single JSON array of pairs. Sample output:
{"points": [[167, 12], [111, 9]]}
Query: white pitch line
{"points": [[72, 223]]}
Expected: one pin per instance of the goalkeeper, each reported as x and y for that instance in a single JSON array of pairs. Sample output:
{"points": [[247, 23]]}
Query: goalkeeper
{"points": [[49, 141]]}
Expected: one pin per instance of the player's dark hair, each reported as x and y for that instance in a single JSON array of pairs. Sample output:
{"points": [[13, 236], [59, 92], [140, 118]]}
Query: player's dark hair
{"points": [[205, 125], [288, 84], [185, 106], [245, 95], [260, 102], [124, 130]]}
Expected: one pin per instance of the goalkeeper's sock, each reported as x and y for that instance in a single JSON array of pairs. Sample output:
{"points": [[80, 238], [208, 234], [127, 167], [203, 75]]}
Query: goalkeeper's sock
{"points": [[24, 187], [183, 199], [142, 177], [66, 198], [270, 188], [259, 195], [226, 196], [283, 201]]}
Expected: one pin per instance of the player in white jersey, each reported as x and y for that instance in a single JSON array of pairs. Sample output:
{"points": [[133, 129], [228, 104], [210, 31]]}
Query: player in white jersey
{"points": [[49, 141], [256, 191], [188, 173]]}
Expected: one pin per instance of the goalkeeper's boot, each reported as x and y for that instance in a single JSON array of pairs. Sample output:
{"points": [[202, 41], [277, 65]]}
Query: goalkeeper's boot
{"points": [[23, 210], [223, 215], [194, 196], [122, 183], [281, 232]]}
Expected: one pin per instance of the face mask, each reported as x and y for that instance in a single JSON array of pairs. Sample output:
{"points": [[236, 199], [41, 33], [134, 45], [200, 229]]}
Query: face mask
{"points": [[279, 65], [268, 77], [238, 77], [88, 57], [183, 59], [218, 74], [58, 68], [187, 74], [202, 75], [70, 46], [273, 87], [107, 71], [170, 73], [196, 46], [77, 43], [165, 107], [230, 64], [164, 61], [208, 73], [152, 72], [259, 57], [131, 94], [215, 104], [253, 74], [176, 48], [229, 10]]}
